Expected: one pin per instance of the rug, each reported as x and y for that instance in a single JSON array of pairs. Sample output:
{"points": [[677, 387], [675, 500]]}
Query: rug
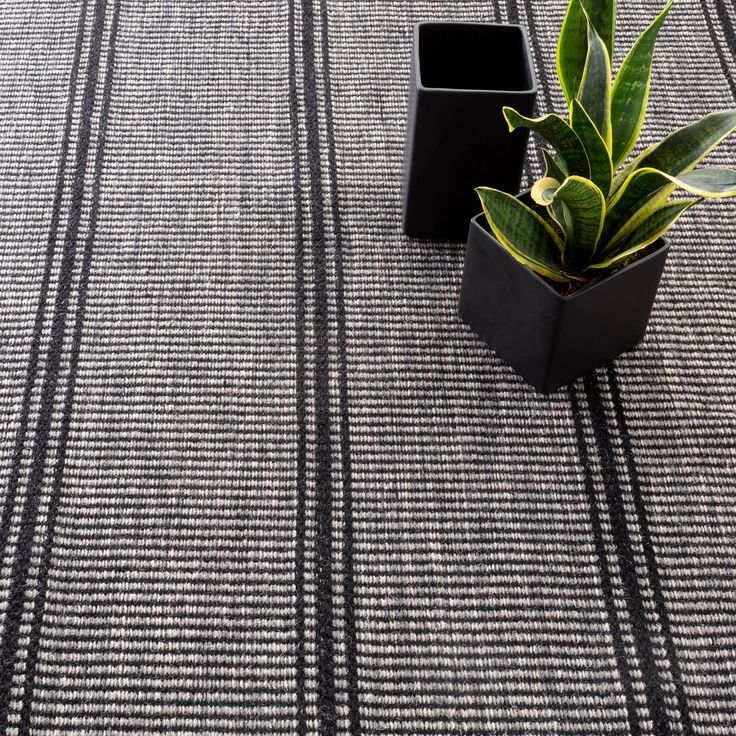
{"points": [[257, 477]]}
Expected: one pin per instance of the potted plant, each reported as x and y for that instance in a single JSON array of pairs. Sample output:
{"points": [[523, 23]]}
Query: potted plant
{"points": [[562, 278], [462, 76]]}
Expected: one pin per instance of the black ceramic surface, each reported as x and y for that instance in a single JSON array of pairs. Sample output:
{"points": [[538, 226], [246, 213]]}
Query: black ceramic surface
{"points": [[462, 75], [550, 339]]}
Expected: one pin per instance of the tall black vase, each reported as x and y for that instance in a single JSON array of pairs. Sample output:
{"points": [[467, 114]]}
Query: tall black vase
{"points": [[462, 75]]}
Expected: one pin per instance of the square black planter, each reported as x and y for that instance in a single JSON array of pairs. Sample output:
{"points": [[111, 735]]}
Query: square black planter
{"points": [[462, 75], [548, 338]]}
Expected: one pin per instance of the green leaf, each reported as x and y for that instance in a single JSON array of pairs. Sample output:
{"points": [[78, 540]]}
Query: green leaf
{"points": [[555, 173], [584, 207], [554, 166], [572, 46], [572, 49], [543, 192], [599, 159], [630, 94], [712, 183], [622, 176], [560, 136], [595, 85], [650, 230], [522, 232], [646, 190], [602, 13], [684, 149], [633, 199]]}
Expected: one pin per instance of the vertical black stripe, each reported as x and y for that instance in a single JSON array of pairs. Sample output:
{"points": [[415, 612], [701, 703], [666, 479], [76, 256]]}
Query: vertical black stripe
{"points": [[24, 725], [539, 56], [632, 593], [496, 12], [513, 15], [723, 57], [728, 31], [540, 68], [606, 449], [513, 11], [12, 492], [619, 650], [603, 439], [627, 564], [351, 655], [22, 559], [649, 554], [324, 644], [538, 53], [301, 419]]}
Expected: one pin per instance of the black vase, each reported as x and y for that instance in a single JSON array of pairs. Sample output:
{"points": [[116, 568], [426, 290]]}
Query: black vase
{"points": [[551, 339], [462, 75]]}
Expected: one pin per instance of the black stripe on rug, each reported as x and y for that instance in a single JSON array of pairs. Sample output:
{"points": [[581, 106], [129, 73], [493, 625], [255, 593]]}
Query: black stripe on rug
{"points": [[653, 688], [24, 725], [497, 17], [29, 518], [324, 642], [606, 448], [33, 359], [513, 11], [351, 655], [629, 581], [725, 56], [316, 41], [619, 649], [729, 32], [540, 56], [541, 71], [649, 553], [300, 378]]}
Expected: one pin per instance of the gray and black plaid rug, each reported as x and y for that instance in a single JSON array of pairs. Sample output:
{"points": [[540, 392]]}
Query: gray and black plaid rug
{"points": [[256, 475]]}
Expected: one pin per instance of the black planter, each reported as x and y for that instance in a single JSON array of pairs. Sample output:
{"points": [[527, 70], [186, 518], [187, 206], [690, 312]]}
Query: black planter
{"points": [[462, 75], [550, 339]]}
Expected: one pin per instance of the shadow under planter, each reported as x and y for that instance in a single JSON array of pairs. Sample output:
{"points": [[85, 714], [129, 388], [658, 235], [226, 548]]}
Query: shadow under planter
{"points": [[462, 75], [548, 338]]}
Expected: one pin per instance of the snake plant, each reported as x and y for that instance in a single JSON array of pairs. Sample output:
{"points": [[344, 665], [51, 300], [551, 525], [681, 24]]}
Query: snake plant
{"points": [[591, 214]]}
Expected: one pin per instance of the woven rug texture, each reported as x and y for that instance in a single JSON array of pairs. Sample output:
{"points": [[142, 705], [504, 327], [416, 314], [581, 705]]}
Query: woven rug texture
{"points": [[256, 476]]}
